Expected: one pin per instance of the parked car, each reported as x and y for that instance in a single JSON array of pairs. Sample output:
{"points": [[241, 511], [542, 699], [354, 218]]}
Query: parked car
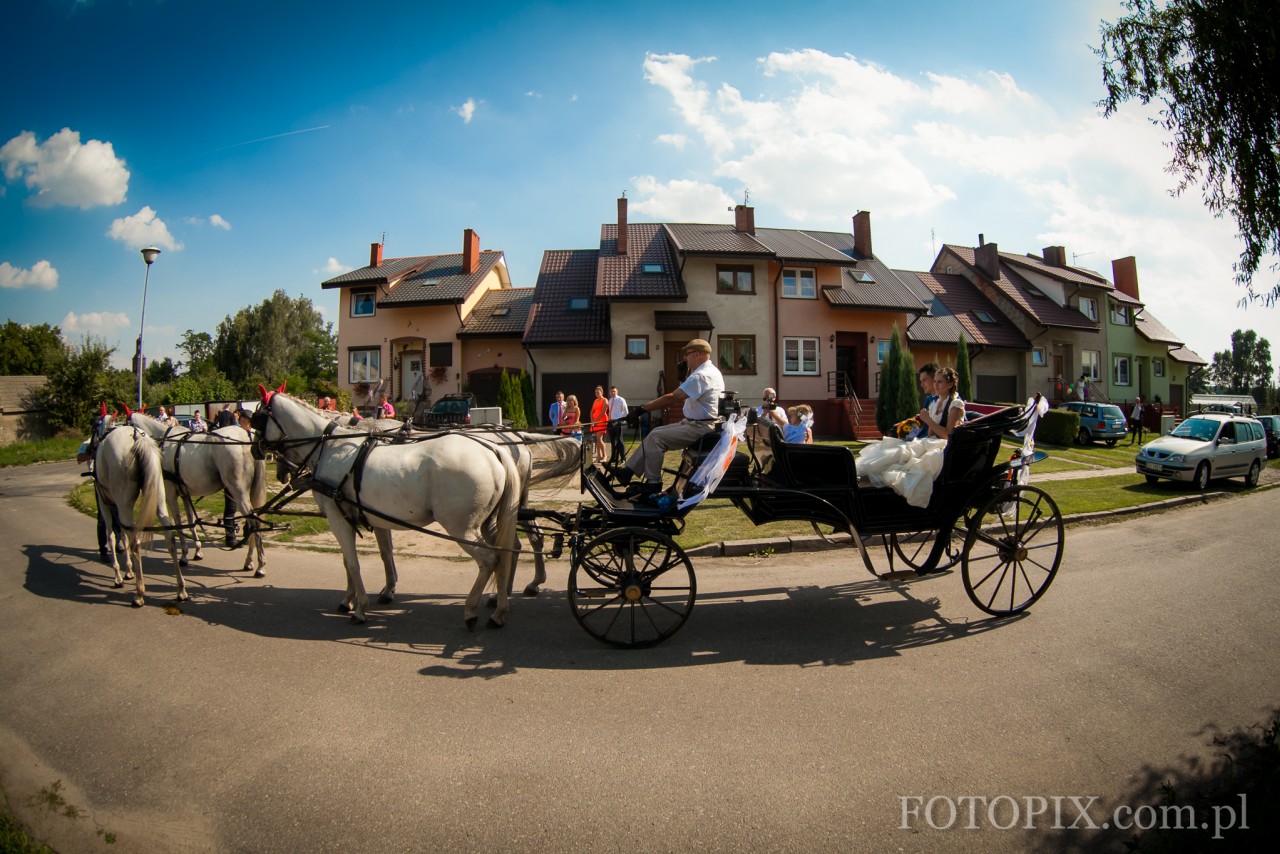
{"points": [[452, 410], [1102, 421], [1271, 426], [1206, 446]]}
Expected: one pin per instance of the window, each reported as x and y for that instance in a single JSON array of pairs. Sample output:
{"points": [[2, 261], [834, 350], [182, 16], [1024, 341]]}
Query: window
{"points": [[864, 277], [799, 283], [1089, 308], [651, 268], [366, 365], [734, 280], [984, 316], [637, 346], [1091, 364], [501, 312], [363, 302], [882, 351], [1157, 367], [1120, 374], [442, 355], [579, 303], [800, 355], [737, 354], [1120, 314], [1037, 357]]}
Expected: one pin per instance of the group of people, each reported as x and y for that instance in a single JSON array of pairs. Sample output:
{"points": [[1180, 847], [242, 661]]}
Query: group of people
{"points": [[608, 413]]}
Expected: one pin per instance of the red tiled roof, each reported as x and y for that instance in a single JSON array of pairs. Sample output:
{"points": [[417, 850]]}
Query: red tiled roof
{"points": [[1033, 302], [1186, 356], [567, 274], [440, 281], [1075, 275], [699, 320], [501, 312], [954, 305], [1153, 330], [623, 277]]}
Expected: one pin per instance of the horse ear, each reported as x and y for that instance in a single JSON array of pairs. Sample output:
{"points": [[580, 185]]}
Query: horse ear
{"points": [[128, 413], [282, 385], [266, 395], [103, 411]]}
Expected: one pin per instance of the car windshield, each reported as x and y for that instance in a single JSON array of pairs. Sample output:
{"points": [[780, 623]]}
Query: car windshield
{"points": [[1200, 429], [1110, 412]]}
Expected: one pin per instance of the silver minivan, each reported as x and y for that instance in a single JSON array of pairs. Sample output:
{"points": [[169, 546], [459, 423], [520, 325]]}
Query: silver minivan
{"points": [[1207, 445]]}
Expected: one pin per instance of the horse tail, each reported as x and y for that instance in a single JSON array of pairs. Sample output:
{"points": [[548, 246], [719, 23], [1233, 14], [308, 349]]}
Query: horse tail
{"points": [[150, 482], [258, 488], [508, 510], [565, 451]]}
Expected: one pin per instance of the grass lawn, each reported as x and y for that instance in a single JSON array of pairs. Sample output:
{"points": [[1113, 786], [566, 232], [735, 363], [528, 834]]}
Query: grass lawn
{"points": [[45, 451]]}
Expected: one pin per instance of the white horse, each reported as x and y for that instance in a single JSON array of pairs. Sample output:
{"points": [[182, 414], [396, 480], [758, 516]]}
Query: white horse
{"points": [[127, 470], [538, 458], [200, 464], [471, 491]]}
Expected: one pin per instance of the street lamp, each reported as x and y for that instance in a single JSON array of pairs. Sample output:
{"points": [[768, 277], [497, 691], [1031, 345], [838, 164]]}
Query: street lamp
{"points": [[149, 254]]}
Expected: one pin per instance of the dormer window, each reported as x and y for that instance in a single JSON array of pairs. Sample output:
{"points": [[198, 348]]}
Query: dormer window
{"points": [[1089, 308], [579, 303]]}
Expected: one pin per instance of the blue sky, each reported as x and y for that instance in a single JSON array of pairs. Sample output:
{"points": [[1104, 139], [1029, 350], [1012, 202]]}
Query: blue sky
{"points": [[266, 145]]}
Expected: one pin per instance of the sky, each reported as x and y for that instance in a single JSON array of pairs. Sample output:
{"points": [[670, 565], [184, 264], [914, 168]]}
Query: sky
{"points": [[266, 145]]}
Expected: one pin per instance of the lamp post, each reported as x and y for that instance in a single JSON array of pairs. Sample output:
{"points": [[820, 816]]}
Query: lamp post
{"points": [[149, 254]]}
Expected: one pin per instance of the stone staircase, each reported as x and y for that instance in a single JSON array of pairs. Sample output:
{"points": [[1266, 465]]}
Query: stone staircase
{"points": [[861, 415]]}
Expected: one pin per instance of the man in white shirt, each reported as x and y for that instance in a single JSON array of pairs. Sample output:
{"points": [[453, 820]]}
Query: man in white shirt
{"points": [[618, 411], [1135, 422], [700, 394]]}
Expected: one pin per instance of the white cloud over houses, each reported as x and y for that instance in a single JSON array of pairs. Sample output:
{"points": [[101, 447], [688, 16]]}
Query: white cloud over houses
{"points": [[680, 200], [143, 229], [42, 276], [467, 110], [63, 171], [334, 267], [107, 324]]}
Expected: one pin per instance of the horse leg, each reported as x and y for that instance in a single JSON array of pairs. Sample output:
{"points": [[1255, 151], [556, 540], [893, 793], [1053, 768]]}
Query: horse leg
{"points": [[135, 557], [193, 521], [383, 536], [356, 601], [175, 504], [536, 543], [105, 511], [482, 579], [169, 539], [252, 539]]}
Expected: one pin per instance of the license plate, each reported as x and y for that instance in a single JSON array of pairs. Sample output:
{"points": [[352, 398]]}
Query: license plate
{"points": [[1155, 467]]}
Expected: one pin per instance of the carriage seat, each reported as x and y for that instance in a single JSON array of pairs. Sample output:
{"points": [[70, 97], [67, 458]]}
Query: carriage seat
{"points": [[777, 462]]}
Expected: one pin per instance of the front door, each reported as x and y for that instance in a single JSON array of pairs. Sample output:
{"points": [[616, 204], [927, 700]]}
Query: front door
{"points": [[411, 375], [846, 369]]}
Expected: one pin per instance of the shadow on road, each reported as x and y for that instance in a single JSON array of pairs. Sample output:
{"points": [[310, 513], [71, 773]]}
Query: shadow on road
{"points": [[802, 626]]}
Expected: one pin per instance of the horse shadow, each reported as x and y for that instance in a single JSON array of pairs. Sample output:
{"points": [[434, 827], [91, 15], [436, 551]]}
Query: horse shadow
{"points": [[789, 625]]}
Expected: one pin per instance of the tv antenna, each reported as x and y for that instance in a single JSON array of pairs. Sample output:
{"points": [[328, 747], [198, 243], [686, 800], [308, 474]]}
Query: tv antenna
{"points": [[1075, 256]]}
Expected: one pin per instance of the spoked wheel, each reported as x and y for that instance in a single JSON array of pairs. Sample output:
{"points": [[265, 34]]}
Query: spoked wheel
{"points": [[923, 552], [1010, 565], [632, 587]]}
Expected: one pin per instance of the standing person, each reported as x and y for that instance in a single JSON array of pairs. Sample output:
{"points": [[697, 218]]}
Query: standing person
{"points": [[198, 424], [241, 417], [617, 417], [226, 418], [571, 418], [1135, 422], [1082, 386], [556, 412], [102, 422], [599, 422], [768, 410], [163, 416], [700, 395], [385, 409]]}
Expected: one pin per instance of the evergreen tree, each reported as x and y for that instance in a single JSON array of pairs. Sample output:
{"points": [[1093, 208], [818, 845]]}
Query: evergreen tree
{"points": [[530, 405], [908, 380], [891, 407], [964, 380]]}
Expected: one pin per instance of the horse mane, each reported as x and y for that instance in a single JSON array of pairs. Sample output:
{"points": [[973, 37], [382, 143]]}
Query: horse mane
{"points": [[175, 429]]}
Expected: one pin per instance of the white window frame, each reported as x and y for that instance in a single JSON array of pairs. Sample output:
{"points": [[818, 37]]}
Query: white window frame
{"points": [[1089, 308], [372, 294], [800, 356], [1120, 315], [1039, 357], [1092, 370], [803, 283], [1157, 367], [882, 351], [1122, 366], [366, 364]]}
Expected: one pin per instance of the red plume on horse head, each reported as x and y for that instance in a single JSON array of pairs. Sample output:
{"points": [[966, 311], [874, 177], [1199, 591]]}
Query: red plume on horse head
{"points": [[103, 410], [266, 395], [128, 413]]}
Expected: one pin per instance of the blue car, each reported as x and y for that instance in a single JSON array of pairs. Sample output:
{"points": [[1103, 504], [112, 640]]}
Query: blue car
{"points": [[1102, 421]]}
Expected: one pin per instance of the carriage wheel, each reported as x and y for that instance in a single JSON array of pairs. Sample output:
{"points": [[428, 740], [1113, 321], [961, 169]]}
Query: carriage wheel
{"points": [[631, 587], [1009, 566], [917, 549]]}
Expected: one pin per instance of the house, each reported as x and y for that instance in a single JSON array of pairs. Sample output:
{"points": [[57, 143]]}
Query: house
{"points": [[402, 323], [1142, 360], [806, 312], [20, 418]]}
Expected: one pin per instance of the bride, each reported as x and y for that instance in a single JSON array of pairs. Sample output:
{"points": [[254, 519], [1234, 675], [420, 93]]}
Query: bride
{"points": [[910, 467]]}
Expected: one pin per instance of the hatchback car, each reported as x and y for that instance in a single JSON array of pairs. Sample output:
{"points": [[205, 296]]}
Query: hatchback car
{"points": [[1206, 446], [1098, 421], [1271, 426]]}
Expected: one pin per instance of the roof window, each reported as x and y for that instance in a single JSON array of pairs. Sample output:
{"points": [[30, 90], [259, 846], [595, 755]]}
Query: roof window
{"points": [[501, 312], [652, 268], [984, 316], [579, 303]]}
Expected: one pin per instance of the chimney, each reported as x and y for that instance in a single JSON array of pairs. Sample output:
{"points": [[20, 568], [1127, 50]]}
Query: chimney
{"points": [[1125, 272], [862, 233], [1055, 256], [375, 254], [744, 219], [987, 259], [622, 227], [470, 252]]}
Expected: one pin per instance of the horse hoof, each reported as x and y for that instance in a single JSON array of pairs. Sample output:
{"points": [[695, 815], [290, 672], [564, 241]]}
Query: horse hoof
{"points": [[357, 620], [182, 561], [198, 557], [532, 590], [494, 624], [138, 603], [117, 584], [344, 608], [184, 596], [471, 624], [492, 603], [386, 599], [261, 573]]}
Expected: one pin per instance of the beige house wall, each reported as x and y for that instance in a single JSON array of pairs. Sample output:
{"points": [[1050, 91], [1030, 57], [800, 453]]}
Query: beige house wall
{"points": [[637, 379], [733, 315]]}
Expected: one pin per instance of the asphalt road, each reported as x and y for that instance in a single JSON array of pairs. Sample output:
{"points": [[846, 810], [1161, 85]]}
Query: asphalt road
{"points": [[803, 700]]}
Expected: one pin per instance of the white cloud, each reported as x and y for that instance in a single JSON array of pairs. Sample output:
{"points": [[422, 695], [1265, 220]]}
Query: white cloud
{"points": [[42, 276], [675, 140], [64, 171], [467, 110], [104, 323], [218, 222], [681, 201], [334, 267], [143, 229]]}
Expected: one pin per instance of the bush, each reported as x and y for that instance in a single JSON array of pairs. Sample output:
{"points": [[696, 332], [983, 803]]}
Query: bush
{"points": [[1058, 427]]}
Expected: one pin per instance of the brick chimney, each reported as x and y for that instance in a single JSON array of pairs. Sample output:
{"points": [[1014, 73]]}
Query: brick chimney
{"points": [[1055, 256], [375, 254], [744, 219], [862, 233], [987, 259], [622, 226], [470, 252], [1125, 273]]}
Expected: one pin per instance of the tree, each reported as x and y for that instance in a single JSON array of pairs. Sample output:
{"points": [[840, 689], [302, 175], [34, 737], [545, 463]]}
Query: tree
{"points": [[164, 371], [79, 380], [511, 399], [1245, 368], [964, 378], [28, 350], [526, 392], [280, 338], [898, 398], [199, 349], [1212, 64]]}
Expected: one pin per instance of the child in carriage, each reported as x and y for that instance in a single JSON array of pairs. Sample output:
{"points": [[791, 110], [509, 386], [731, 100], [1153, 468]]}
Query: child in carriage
{"points": [[799, 429]]}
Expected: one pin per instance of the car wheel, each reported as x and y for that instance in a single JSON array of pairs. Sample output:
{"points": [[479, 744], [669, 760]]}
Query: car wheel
{"points": [[1151, 479], [1083, 438], [1111, 443], [1202, 477], [1255, 471]]}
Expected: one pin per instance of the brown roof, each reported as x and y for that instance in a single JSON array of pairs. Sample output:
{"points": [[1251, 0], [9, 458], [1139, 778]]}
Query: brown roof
{"points": [[838, 240], [790, 245], [624, 277], [867, 288], [1033, 302], [388, 271], [1075, 275], [567, 274], [440, 281], [703, 239], [954, 305], [501, 312], [1153, 330], [1186, 355], [682, 320], [14, 391]]}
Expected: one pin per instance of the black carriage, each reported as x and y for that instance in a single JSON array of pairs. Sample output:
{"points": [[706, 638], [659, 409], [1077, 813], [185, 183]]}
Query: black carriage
{"points": [[632, 585]]}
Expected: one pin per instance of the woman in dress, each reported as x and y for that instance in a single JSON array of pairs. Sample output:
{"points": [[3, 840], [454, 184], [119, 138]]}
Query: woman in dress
{"points": [[599, 422], [570, 418]]}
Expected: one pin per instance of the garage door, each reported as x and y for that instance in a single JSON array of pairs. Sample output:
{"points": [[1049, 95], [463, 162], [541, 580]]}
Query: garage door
{"points": [[583, 385], [994, 388]]}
